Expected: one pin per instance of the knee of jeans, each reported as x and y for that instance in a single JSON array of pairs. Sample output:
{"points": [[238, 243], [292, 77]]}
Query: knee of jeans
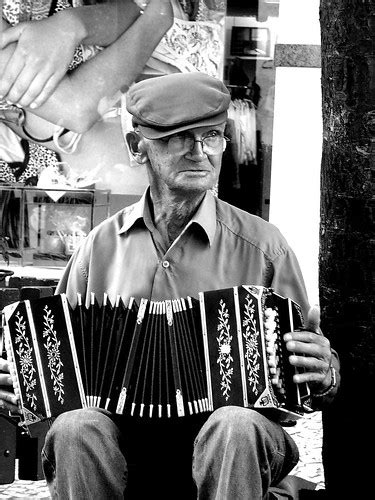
{"points": [[238, 422], [69, 425]]}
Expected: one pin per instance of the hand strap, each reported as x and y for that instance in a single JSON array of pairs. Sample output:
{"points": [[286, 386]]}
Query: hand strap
{"points": [[47, 139], [331, 387]]}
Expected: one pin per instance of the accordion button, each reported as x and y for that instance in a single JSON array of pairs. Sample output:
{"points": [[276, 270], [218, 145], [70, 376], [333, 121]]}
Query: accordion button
{"points": [[165, 264]]}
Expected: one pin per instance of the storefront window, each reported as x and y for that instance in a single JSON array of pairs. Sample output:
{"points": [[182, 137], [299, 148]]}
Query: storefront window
{"points": [[229, 39], [249, 72]]}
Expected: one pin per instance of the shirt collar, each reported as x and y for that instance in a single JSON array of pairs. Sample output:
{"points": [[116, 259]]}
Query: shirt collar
{"points": [[205, 216], [135, 212]]}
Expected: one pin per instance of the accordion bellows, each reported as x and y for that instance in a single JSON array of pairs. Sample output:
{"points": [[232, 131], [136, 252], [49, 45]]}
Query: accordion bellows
{"points": [[156, 359]]}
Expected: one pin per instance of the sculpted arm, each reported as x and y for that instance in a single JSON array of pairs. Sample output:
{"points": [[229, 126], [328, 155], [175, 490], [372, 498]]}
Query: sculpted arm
{"points": [[84, 94], [44, 49]]}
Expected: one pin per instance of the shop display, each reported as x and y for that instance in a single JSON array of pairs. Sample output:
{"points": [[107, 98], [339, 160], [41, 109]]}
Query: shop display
{"points": [[36, 230]]}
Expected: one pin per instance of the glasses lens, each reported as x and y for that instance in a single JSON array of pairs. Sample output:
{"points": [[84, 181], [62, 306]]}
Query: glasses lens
{"points": [[212, 144], [180, 143]]}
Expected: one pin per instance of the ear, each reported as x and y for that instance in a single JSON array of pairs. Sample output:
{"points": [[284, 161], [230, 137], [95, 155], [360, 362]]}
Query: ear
{"points": [[134, 142]]}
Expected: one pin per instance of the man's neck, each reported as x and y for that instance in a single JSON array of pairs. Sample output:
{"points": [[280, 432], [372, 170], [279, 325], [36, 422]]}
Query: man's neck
{"points": [[172, 213]]}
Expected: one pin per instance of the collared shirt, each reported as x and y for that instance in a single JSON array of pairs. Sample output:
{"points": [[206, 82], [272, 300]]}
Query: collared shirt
{"points": [[220, 247]]}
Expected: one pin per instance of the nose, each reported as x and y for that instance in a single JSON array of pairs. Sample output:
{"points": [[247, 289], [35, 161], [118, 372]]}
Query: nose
{"points": [[197, 149]]}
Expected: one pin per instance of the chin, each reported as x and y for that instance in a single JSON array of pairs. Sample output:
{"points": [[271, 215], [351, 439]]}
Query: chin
{"points": [[201, 184], [197, 188]]}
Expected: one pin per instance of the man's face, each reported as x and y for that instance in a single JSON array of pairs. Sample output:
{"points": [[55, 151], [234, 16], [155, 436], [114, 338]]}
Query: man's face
{"points": [[180, 163]]}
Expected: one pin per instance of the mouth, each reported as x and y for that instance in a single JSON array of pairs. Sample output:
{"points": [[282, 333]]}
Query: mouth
{"points": [[197, 170], [196, 174]]}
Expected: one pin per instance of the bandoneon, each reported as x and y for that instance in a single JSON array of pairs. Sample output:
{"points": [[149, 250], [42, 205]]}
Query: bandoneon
{"points": [[155, 359]]}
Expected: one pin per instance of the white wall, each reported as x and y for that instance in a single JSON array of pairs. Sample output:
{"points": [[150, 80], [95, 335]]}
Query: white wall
{"points": [[299, 22], [297, 142], [295, 177]]}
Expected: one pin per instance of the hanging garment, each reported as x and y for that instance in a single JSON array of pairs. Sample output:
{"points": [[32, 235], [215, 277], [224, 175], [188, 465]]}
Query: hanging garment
{"points": [[195, 41], [243, 114], [191, 46]]}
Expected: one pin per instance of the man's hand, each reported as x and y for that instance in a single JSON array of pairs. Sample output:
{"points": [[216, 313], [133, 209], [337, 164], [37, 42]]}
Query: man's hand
{"points": [[8, 399], [43, 52], [311, 352]]}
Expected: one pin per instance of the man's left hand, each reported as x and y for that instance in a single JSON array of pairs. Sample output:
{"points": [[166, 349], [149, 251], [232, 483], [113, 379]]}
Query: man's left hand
{"points": [[311, 351]]}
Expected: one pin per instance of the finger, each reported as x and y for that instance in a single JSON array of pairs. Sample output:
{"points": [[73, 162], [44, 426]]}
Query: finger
{"points": [[23, 83], [10, 75], [40, 90], [310, 377], [9, 397], [11, 35], [6, 406], [303, 336], [5, 379], [302, 349], [310, 364], [4, 365], [308, 343], [32, 91], [308, 370], [313, 319]]}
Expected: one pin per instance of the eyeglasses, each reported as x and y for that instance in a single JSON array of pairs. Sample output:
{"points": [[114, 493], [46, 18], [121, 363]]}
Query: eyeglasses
{"points": [[212, 144]]}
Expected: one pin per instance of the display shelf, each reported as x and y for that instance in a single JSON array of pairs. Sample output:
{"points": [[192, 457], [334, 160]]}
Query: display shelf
{"points": [[42, 227]]}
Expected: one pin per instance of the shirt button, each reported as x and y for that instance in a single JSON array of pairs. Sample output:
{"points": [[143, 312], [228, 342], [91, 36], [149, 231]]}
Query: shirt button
{"points": [[165, 264]]}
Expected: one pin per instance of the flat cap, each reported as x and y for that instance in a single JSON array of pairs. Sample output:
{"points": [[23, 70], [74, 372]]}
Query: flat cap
{"points": [[164, 105]]}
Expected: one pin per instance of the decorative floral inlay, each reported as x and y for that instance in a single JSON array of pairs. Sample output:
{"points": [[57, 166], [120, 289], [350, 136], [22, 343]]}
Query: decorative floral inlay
{"points": [[24, 352], [225, 359], [52, 346], [252, 351]]}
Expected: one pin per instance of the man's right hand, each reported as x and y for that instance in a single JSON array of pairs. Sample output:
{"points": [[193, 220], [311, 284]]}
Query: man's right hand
{"points": [[8, 399]]}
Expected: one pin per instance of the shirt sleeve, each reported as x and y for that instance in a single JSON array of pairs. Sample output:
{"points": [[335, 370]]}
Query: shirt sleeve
{"points": [[75, 276], [288, 281]]}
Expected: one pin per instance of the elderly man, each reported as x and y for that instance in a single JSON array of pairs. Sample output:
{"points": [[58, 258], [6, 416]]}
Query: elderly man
{"points": [[180, 239]]}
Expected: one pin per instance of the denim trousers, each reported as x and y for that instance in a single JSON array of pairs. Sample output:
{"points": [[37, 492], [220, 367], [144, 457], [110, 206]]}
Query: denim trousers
{"points": [[234, 454]]}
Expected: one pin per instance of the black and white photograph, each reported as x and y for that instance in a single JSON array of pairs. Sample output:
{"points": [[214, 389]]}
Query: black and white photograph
{"points": [[187, 249]]}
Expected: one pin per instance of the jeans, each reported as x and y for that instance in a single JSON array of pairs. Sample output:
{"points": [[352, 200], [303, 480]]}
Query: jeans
{"points": [[236, 454]]}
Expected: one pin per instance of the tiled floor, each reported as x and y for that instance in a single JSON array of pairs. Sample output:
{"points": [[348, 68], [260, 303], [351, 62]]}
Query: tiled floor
{"points": [[307, 433], [24, 490]]}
